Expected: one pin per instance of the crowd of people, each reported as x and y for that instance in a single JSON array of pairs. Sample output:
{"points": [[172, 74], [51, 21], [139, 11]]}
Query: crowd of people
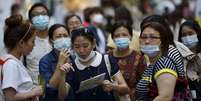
{"points": [[88, 61]]}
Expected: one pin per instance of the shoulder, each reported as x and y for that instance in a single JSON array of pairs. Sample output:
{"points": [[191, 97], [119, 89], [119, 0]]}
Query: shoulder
{"points": [[47, 57]]}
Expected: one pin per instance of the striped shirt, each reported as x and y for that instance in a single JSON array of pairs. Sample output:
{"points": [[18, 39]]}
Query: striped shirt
{"points": [[172, 63]]}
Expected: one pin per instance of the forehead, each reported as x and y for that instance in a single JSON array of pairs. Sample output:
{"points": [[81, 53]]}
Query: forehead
{"points": [[81, 40], [60, 30], [186, 28], [150, 31], [74, 18], [38, 9]]}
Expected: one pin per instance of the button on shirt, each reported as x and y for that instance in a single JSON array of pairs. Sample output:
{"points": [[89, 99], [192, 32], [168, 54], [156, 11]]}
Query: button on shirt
{"points": [[42, 47]]}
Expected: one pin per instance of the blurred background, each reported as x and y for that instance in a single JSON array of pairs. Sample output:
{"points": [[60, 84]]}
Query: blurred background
{"points": [[174, 10]]}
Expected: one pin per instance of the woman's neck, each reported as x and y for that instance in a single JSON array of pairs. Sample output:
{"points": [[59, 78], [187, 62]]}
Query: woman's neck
{"points": [[122, 52], [16, 54], [43, 34], [154, 59]]}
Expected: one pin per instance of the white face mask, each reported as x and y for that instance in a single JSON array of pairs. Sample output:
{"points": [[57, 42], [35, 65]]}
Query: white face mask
{"points": [[150, 50], [91, 55], [98, 18]]}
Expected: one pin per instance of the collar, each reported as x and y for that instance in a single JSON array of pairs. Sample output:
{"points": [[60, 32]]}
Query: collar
{"points": [[95, 62]]}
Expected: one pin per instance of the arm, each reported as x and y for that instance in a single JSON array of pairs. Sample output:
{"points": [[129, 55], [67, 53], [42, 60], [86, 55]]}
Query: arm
{"points": [[118, 85], [64, 87], [12, 95], [58, 74], [166, 83], [122, 88]]}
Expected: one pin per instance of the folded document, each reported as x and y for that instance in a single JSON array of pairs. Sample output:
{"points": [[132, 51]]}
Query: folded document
{"points": [[92, 82]]}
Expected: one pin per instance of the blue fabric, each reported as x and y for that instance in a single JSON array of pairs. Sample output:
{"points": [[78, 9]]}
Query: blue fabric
{"points": [[47, 66], [97, 93]]}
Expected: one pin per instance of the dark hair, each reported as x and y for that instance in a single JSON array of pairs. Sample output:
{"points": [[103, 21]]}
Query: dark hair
{"points": [[195, 26], [121, 24], [164, 35], [53, 28], [37, 5], [91, 10], [14, 7], [68, 17], [162, 21], [85, 32], [87, 12], [16, 30], [122, 13]]}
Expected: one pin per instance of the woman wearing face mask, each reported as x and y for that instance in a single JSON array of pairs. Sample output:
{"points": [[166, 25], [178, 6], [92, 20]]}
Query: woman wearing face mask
{"points": [[60, 40], [130, 62], [164, 79], [89, 64], [190, 35]]}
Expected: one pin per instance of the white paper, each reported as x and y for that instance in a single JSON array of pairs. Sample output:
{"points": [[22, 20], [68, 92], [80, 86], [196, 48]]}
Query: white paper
{"points": [[92, 82]]}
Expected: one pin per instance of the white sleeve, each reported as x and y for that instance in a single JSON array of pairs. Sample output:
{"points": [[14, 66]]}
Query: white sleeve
{"points": [[10, 75]]}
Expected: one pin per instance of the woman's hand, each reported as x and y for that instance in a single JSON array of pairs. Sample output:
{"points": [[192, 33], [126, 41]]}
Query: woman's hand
{"points": [[67, 67], [63, 56], [108, 86]]}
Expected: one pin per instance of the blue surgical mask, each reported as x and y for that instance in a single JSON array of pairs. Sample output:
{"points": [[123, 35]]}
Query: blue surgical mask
{"points": [[62, 43], [122, 43], [190, 41], [150, 50], [40, 22]]}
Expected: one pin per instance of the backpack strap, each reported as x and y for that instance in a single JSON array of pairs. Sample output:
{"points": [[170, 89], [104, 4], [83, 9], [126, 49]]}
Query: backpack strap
{"points": [[107, 63], [1, 67]]}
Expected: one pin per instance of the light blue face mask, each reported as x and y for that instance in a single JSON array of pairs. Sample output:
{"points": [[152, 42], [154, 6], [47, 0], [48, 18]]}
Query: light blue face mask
{"points": [[40, 22], [62, 43], [122, 43], [190, 41], [150, 50]]}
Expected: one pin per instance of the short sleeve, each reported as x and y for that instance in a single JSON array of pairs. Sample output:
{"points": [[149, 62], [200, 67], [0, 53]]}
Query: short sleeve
{"points": [[46, 73], [114, 65], [164, 65], [45, 70], [11, 76]]}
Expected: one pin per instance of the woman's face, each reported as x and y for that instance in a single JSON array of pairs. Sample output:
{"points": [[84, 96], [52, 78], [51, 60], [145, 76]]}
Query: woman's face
{"points": [[74, 23], [28, 46], [59, 33], [121, 32], [83, 47], [150, 36], [187, 31]]}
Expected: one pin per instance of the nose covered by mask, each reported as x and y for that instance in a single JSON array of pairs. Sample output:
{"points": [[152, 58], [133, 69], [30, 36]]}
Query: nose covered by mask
{"points": [[62, 43], [190, 41], [150, 50], [98, 18], [40, 22], [122, 43]]}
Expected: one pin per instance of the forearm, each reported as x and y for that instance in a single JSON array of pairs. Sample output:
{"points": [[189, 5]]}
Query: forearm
{"points": [[20, 96], [63, 89], [56, 77], [163, 98], [121, 89]]}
